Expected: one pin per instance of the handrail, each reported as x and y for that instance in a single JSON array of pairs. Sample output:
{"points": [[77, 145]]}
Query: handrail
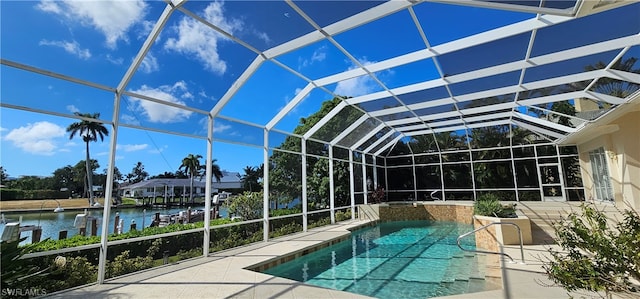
{"points": [[492, 252]]}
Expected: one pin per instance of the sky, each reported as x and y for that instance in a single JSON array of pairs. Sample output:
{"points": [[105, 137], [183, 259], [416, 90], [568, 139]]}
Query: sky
{"points": [[189, 64]]}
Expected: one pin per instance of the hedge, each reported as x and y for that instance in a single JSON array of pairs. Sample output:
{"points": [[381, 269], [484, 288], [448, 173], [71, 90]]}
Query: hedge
{"points": [[17, 194]]}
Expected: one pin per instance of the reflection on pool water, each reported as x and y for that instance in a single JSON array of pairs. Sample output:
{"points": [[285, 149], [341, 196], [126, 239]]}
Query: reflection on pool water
{"points": [[52, 223], [408, 259]]}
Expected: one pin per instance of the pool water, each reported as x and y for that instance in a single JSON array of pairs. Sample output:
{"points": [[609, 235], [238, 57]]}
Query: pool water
{"points": [[408, 259]]}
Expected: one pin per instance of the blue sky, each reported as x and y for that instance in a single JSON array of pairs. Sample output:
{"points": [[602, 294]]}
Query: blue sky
{"points": [[190, 65]]}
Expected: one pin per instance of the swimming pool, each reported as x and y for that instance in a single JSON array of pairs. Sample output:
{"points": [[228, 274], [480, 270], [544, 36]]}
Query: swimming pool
{"points": [[407, 259]]}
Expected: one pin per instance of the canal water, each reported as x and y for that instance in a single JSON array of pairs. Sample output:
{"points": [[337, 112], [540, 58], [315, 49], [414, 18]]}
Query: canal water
{"points": [[52, 223]]}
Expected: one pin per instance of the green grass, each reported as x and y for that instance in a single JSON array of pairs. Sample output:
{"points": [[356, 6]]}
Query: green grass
{"points": [[128, 201]]}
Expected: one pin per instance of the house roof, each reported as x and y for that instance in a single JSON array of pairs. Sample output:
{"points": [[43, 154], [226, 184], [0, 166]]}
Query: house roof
{"points": [[228, 177]]}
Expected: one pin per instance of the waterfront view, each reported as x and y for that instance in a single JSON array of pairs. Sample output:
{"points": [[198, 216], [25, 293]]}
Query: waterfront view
{"points": [[52, 223]]}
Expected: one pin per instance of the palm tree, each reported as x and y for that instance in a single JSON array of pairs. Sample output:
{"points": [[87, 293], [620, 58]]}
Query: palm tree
{"points": [[251, 177], [90, 131], [215, 170], [191, 164]]}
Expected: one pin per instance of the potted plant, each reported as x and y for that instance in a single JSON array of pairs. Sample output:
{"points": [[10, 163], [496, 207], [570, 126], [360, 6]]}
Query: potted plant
{"points": [[489, 205], [377, 196], [488, 209]]}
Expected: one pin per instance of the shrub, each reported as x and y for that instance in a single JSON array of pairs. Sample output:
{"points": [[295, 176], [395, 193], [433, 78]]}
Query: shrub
{"points": [[17, 194], [247, 205], [488, 204], [597, 254], [123, 264], [343, 215]]}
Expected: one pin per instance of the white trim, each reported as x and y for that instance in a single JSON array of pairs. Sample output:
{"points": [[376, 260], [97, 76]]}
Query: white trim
{"points": [[325, 119], [292, 104], [348, 130], [364, 138]]}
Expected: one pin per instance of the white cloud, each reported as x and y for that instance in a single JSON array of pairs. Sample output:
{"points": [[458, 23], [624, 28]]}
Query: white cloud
{"points": [[149, 64], [38, 138], [158, 113], [319, 55], [356, 86], [50, 6], [70, 47], [196, 39], [262, 35], [131, 147], [72, 108], [3, 129], [218, 128], [146, 27], [130, 119], [114, 60], [112, 18], [187, 95], [158, 150]]}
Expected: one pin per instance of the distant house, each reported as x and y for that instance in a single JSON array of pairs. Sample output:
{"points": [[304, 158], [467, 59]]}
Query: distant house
{"points": [[229, 181], [179, 187]]}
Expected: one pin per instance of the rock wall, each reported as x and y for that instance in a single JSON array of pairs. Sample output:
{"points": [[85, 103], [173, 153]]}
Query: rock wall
{"points": [[459, 212]]}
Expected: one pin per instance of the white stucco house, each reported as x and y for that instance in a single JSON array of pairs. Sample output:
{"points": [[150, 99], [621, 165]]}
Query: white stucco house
{"points": [[179, 187]]}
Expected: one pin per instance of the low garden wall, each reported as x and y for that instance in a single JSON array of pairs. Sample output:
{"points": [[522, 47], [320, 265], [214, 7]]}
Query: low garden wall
{"points": [[435, 211], [494, 236], [488, 239]]}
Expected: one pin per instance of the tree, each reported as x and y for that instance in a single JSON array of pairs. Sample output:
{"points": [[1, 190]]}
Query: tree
{"points": [[64, 178], [90, 131], [191, 164], [32, 182], [565, 108], [215, 170], [117, 175], [3, 175], [80, 176], [181, 174], [614, 87], [285, 167], [251, 178], [137, 174], [165, 175], [247, 206], [598, 254], [117, 178]]}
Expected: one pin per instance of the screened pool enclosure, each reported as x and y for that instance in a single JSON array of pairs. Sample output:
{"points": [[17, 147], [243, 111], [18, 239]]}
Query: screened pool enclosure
{"points": [[344, 102]]}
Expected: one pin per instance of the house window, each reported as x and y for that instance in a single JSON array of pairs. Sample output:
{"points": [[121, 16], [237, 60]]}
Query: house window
{"points": [[601, 179]]}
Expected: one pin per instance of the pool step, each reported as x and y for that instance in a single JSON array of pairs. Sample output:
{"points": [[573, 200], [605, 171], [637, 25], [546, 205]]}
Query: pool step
{"points": [[460, 267], [466, 271]]}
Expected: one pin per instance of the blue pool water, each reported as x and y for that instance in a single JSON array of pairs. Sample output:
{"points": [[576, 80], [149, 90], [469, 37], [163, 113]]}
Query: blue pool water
{"points": [[409, 259]]}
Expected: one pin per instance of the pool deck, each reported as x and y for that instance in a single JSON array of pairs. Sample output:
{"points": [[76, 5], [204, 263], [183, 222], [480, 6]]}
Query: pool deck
{"points": [[223, 274]]}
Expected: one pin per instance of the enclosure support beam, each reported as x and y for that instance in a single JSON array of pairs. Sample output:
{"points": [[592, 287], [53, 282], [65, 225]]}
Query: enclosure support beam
{"points": [[364, 179], [415, 177], [375, 174], [305, 216], [104, 237], [265, 195], [332, 188], [352, 188], [513, 163], [208, 187]]}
